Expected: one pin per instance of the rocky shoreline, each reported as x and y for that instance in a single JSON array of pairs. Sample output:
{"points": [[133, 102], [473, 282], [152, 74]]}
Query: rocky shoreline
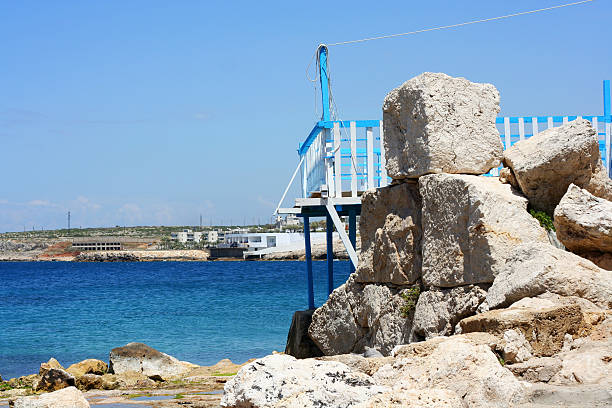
{"points": [[462, 297], [135, 374]]}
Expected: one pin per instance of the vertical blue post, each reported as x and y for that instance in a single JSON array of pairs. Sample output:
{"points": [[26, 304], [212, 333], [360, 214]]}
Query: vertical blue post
{"points": [[329, 229], [352, 232], [308, 262], [608, 124], [322, 51]]}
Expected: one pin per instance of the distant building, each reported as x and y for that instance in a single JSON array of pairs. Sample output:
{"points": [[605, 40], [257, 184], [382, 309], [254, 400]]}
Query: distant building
{"points": [[112, 243], [187, 235], [211, 236], [256, 241], [289, 220]]}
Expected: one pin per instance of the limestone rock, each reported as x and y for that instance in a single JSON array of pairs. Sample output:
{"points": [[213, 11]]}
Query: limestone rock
{"points": [[516, 348], [543, 326], [507, 177], [357, 362], [55, 379], [282, 381], [470, 225], [546, 164], [601, 259], [299, 344], [590, 363], [89, 366], [24, 381], [146, 360], [583, 221], [439, 310], [537, 369], [358, 315], [127, 379], [427, 398], [67, 397], [457, 363], [52, 363], [434, 123], [535, 268], [390, 229]]}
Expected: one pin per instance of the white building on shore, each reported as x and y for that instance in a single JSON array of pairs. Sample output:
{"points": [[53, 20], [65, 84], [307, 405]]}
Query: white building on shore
{"points": [[268, 242]]}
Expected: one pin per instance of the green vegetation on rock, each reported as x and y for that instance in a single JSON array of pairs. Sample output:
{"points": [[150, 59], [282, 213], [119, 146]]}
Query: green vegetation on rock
{"points": [[411, 296], [544, 219]]}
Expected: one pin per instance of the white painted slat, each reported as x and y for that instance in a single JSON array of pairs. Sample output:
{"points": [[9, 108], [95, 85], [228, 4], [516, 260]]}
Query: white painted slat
{"points": [[370, 157], [534, 126], [578, 117], [550, 122], [521, 129], [565, 120], [595, 124], [383, 160], [330, 164], [304, 177], [507, 134], [337, 161], [353, 159]]}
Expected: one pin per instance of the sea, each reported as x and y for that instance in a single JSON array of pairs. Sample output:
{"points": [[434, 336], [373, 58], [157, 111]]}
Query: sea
{"points": [[200, 312]]}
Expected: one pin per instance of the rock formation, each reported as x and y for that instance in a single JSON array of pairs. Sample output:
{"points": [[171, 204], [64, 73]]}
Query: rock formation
{"points": [[140, 358], [546, 164], [535, 268], [357, 315], [434, 123], [470, 225], [67, 397], [584, 225]]}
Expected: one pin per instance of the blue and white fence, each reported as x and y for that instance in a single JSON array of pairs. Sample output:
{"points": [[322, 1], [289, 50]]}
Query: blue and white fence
{"points": [[347, 156]]}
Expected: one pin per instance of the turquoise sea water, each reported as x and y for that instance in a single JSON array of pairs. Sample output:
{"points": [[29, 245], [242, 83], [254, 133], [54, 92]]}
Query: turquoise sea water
{"points": [[196, 311]]}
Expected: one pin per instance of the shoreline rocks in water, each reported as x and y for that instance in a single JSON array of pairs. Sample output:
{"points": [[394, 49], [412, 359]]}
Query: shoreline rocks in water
{"points": [[55, 387], [458, 286]]}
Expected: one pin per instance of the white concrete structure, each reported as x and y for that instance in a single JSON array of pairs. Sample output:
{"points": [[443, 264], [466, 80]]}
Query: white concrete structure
{"points": [[267, 242], [187, 235]]}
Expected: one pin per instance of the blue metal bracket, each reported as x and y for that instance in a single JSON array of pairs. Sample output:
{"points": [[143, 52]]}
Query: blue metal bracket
{"points": [[324, 78]]}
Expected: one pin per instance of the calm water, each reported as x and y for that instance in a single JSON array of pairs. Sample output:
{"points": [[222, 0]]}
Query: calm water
{"points": [[196, 311]]}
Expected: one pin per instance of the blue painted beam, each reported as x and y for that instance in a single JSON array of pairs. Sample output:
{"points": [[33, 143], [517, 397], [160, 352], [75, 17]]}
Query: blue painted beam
{"points": [[308, 262], [606, 97], [329, 231], [324, 78]]}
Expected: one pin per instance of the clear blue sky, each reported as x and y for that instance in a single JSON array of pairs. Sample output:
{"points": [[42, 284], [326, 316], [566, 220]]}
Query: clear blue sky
{"points": [[152, 112]]}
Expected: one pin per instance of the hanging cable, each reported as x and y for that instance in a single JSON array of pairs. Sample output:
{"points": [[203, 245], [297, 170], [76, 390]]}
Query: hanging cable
{"points": [[461, 24]]}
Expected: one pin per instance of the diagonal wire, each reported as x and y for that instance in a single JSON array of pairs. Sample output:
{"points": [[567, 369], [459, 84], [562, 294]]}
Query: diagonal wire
{"points": [[461, 24]]}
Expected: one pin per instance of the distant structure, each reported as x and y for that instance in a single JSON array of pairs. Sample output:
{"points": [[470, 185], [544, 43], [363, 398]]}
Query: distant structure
{"points": [[112, 243], [289, 220], [187, 235]]}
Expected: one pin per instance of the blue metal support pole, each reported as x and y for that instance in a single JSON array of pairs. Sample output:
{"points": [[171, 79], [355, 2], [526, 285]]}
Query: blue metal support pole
{"points": [[329, 229], [352, 232], [308, 262], [324, 77], [608, 124]]}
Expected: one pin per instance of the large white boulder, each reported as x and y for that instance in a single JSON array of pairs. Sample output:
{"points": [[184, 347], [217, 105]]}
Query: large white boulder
{"points": [[138, 357], [535, 268], [459, 364], [282, 381], [470, 225], [435, 123], [546, 164], [439, 310], [358, 315], [583, 221], [64, 398], [390, 229]]}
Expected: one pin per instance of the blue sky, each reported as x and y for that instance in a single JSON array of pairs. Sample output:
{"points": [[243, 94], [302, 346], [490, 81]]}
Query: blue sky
{"points": [[154, 112]]}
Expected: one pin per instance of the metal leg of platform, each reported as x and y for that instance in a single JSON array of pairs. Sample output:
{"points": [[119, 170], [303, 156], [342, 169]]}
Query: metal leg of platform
{"points": [[329, 228], [353, 232], [308, 262]]}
